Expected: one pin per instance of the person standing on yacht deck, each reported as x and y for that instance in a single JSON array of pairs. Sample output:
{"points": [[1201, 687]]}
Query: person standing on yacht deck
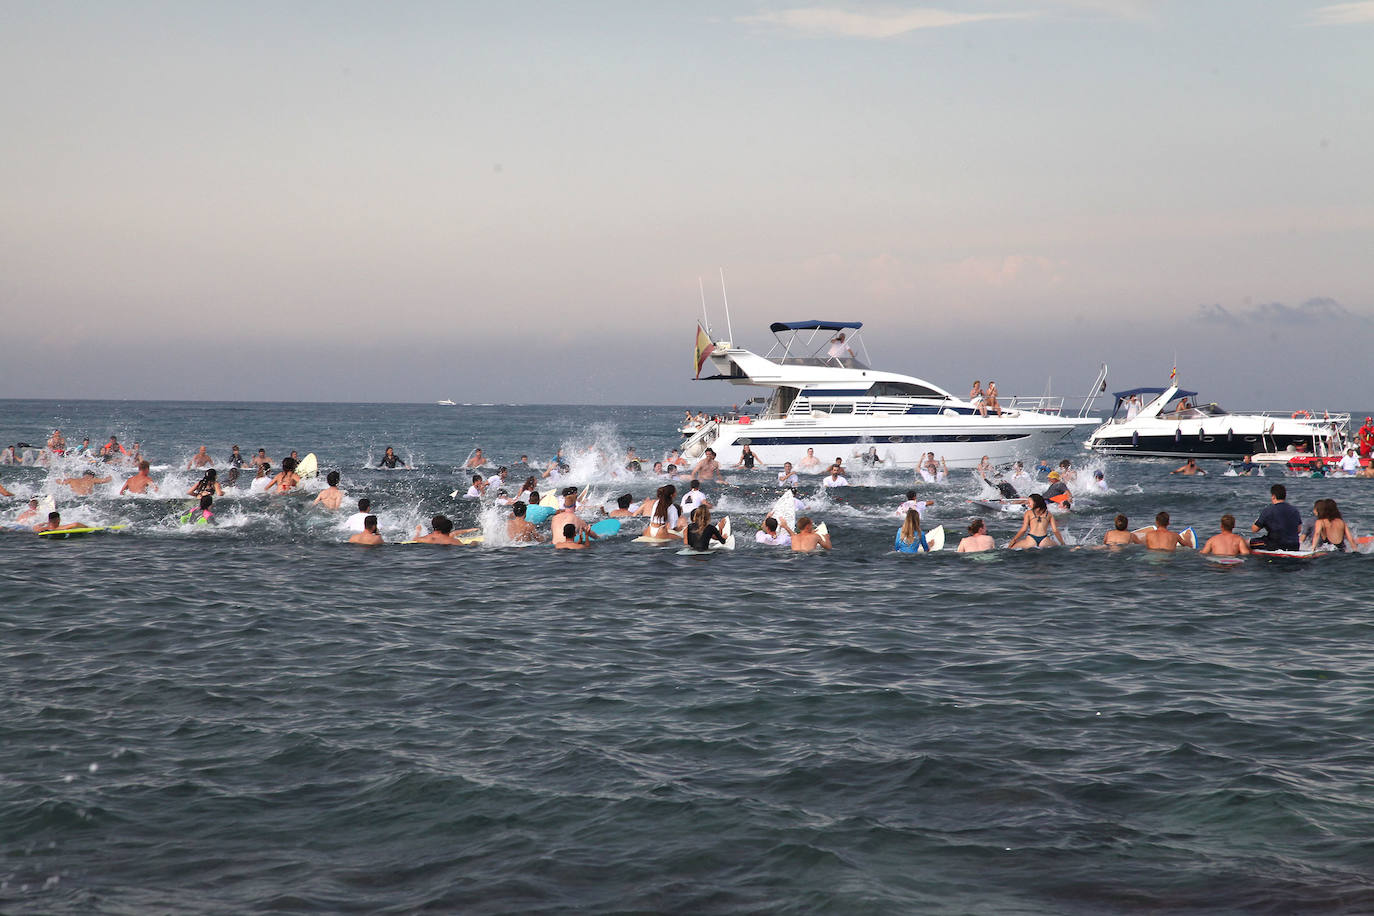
{"points": [[838, 348]]}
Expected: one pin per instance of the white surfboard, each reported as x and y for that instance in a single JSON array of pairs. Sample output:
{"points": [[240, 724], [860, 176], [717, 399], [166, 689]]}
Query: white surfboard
{"points": [[726, 533], [46, 503], [785, 509], [935, 538], [307, 467]]}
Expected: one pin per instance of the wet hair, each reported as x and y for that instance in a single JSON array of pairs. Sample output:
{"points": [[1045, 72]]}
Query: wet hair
{"points": [[1278, 491], [232, 477], [441, 524], [333, 478], [143, 466], [370, 523], [1121, 522], [911, 525], [288, 464], [210, 476], [771, 524], [476, 478], [701, 517], [534, 497], [1038, 503], [1330, 509], [207, 501], [665, 502], [976, 526], [803, 523], [518, 510], [1228, 521], [633, 466], [570, 531], [364, 504], [910, 494], [1162, 520], [54, 516], [530, 483], [624, 500], [695, 485], [88, 473]]}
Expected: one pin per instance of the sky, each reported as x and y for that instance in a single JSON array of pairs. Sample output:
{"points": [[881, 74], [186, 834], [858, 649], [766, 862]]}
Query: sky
{"points": [[521, 201]]}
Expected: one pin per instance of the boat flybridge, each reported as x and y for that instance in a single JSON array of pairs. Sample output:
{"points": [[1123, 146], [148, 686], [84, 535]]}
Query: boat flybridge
{"points": [[1170, 423], [825, 397]]}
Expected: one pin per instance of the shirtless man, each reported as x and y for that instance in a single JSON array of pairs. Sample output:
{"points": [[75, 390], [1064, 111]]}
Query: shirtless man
{"points": [[331, 497], [1162, 538], [1189, 469], [54, 523], [572, 539], [707, 468], [476, 461], [83, 485], [805, 539], [568, 516], [441, 533], [1121, 535], [519, 529], [140, 482], [4, 492], [286, 478], [810, 463], [200, 459], [622, 506], [28, 514], [56, 444], [978, 538], [369, 534], [1226, 543], [260, 460]]}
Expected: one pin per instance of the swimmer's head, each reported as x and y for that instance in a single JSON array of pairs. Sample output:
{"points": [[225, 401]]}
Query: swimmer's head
{"points": [[364, 504], [332, 478], [518, 510], [975, 526], [623, 500], [771, 524], [1121, 522], [570, 531], [207, 501], [370, 523], [1228, 522], [1162, 520], [441, 524]]}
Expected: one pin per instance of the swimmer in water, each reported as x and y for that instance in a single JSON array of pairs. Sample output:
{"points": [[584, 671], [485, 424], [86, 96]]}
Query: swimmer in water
{"points": [[700, 533], [331, 497], [911, 539], [1037, 526], [391, 460], [774, 532], [978, 539], [54, 523], [1120, 535], [1189, 469], [355, 521], [622, 506], [286, 478], [1226, 543], [140, 482], [202, 514], [664, 518], [442, 533], [207, 485], [521, 530], [806, 539], [369, 535], [1161, 538], [568, 516], [572, 539], [83, 485], [200, 459], [476, 461]]}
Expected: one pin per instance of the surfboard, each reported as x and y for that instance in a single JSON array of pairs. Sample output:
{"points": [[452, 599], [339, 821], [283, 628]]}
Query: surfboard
{"points": [[645, 539], [606, 528], [822, 530], [1291, 554], [538, 515], [46, 503], [785, 509], [307, 467], [1223, 561], [935, 538], [65, 533], [551, 499], [727, 533], [470, 539]]}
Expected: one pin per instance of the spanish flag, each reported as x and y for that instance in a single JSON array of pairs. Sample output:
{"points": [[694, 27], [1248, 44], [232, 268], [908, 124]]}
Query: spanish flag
{"points": [[1173, 375], [704, 348]]}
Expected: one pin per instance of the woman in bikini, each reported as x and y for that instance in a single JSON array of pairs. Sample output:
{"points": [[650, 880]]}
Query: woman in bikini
{"points": [[663, 515], [1037, 525], [990, 400], [1331, 529]]}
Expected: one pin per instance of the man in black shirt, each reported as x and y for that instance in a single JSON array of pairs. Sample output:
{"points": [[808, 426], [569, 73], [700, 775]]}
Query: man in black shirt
{"points": [[1281, 523]]}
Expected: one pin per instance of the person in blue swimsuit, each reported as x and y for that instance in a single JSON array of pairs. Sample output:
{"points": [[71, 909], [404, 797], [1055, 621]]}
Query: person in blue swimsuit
{"points": [[911, 539]]}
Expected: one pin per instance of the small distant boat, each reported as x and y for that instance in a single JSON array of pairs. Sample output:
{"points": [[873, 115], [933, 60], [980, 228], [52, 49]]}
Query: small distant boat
{"points": [[447, 403]]}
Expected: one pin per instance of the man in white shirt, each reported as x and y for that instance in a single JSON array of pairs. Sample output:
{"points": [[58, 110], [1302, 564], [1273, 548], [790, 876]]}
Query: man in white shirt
{"points": [[834, 480], [693, 498], [774, 533], [786, 477], [920, 505], [1350, 464], [355, 521]]}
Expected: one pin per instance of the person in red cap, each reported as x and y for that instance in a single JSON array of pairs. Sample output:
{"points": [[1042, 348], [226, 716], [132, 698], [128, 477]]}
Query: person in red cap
{"points": [[1367, 437]]}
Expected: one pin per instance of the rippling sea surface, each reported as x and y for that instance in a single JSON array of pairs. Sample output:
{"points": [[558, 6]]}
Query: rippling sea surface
{"points": [[257, 716]]}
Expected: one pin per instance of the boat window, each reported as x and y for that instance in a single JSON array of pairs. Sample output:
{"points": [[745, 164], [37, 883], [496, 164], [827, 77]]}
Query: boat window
{"points": [[902, 390], [781, 402]]}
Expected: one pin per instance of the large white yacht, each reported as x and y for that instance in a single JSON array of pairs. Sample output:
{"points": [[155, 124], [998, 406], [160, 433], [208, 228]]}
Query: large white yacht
{"points": [[826, 398], [1170, 423]]}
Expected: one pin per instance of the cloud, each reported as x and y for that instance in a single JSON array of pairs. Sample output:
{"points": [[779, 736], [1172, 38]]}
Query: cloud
{"points": [[888, 23], [1133, 10], [1344, 13]]}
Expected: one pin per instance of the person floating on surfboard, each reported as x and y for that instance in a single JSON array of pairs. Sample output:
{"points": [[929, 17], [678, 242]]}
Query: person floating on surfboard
{"points": [[1161, 538]]}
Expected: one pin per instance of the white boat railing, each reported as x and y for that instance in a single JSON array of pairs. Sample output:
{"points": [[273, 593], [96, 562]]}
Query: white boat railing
{"points": [[1039, 404]]}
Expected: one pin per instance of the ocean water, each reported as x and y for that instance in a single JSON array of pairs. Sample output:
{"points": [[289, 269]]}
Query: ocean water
{"points": [[258, 717]]}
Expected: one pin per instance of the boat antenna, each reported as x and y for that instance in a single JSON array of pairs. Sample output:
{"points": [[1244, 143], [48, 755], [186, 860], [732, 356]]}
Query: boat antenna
{"points": [[706, 322], [729, 329]]}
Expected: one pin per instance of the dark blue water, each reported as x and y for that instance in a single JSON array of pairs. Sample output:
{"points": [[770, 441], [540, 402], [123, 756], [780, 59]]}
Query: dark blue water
{"points": [[259, 717]]}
